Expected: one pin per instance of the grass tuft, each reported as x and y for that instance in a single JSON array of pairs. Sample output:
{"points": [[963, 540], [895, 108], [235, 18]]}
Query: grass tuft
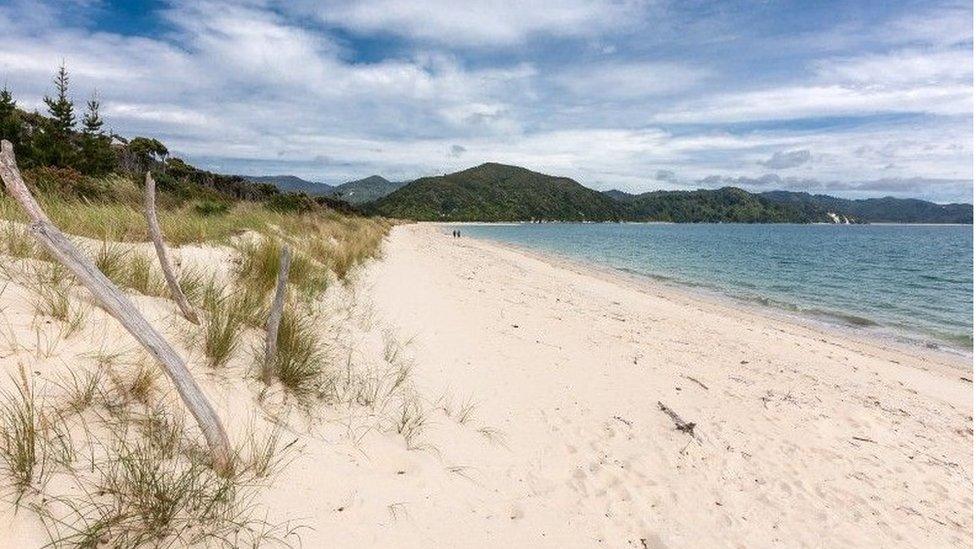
{"points": [[300, 362], [22, 450]]}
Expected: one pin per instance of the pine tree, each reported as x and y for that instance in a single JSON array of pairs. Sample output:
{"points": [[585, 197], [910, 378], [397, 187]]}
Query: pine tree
{"points": [[97, 157], [60, 107], [11, 125], [92, 121], [7, 103]]}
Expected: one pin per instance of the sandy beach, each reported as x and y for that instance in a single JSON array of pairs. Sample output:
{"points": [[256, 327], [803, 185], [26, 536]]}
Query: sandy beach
{"points": [[539, 390], [802, 438]]}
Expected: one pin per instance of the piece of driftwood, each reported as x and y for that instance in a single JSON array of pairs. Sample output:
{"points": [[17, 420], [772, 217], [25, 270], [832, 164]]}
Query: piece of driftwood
{"points": [[164, 261], [113, 301], [679, 424], [699, 383], [274, 318]]}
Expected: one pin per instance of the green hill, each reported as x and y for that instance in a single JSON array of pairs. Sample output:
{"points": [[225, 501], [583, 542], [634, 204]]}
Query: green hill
{"points": [[725, 205], [877, 210], [497, 192], [367, 189], [293, 184]]}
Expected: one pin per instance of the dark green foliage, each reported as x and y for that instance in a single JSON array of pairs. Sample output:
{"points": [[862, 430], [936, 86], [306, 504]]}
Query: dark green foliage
{"points": [[291, 202], [11, 125], [496, 192], [97, 157], [92, 121], [60, 107], [877, 210], [337, 205], [144, 153], [725, 205], [55, 144], [209, 207]]}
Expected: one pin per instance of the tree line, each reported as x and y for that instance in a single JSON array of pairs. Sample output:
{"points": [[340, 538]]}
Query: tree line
{"points": [[59, 141]]}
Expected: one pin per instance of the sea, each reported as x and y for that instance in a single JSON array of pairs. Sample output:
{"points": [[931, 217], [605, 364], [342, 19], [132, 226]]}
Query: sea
{"points": [[911, 282]]}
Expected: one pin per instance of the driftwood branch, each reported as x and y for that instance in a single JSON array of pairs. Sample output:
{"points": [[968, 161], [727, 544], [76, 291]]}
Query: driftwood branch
{"points": [[699, 383], [679, 424], [164, 261], [119, 306], [274, 318]]}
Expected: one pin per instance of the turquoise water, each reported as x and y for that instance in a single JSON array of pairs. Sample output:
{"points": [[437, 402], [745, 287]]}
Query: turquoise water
{"points": [[913, 281]]}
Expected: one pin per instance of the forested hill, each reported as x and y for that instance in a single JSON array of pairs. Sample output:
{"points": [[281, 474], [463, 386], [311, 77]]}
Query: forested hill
{"points": [[497, 192], [367, 189], [877, 210], [294, 184]]}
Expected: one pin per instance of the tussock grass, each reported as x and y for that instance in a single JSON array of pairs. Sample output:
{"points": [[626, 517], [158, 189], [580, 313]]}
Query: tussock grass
{"points": [[223, 324], [128, 268], [80, 390], [22, 454], [144, 275], [151, 485], [50, 285], [144, 480], [228, 311], [300, 362], [55, 301], [16, 242], [259, 263], [411, 420]]}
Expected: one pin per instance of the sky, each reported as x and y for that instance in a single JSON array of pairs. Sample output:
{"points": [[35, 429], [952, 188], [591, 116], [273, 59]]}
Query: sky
{"points": [[846, 98]]}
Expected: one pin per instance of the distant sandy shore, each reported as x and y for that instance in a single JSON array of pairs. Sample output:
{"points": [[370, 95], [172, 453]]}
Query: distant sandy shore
{"points": [[802, 437]]}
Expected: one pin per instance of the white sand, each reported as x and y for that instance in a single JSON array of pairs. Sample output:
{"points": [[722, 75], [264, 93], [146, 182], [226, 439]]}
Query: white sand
{"points": [[570, 366], [565, 445]]}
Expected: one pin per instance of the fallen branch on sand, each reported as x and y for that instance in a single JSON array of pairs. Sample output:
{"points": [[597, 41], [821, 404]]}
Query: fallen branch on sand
{"points": [[115, 303], [700, 384], [679, 424]]}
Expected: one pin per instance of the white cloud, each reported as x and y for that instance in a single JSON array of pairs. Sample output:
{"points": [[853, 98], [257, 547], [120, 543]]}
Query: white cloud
{"points": [[900, 68], [241, 87], [494, 22], [603, 81]]}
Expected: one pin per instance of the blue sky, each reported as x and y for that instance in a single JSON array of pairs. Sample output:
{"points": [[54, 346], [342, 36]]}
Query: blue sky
{"points": [[846, 98]]}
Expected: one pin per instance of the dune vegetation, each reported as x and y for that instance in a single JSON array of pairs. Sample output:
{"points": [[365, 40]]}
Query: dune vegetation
{"points": [[95, 447]]}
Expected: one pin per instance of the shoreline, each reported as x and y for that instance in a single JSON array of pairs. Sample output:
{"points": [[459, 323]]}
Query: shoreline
{"points": [[803, 437], [833, 323]]}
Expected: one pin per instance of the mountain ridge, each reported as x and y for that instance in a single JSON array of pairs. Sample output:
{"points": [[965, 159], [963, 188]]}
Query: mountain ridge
{"points": [[500, 192]]}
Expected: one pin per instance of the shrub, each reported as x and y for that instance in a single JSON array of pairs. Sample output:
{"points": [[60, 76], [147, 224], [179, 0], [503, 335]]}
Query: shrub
{"points": [[291, 202], [209, 207]]}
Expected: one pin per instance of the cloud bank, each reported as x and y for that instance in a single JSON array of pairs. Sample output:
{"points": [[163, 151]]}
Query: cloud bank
{"points": [[614, 93]]}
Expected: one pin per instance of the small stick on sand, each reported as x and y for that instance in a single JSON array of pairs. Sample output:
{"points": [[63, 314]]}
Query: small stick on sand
{"points": [[679, 424], [700, 384], [157, 237], [274, 318], [115, 303]]}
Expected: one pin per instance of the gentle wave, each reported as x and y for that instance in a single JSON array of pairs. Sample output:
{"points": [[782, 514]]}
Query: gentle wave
{"points": [[915, 281]]}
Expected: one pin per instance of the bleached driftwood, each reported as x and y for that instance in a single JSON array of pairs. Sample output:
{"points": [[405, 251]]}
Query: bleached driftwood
{"points": [[164, 261], [110, 298], [679, 424], [274, 318]]}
